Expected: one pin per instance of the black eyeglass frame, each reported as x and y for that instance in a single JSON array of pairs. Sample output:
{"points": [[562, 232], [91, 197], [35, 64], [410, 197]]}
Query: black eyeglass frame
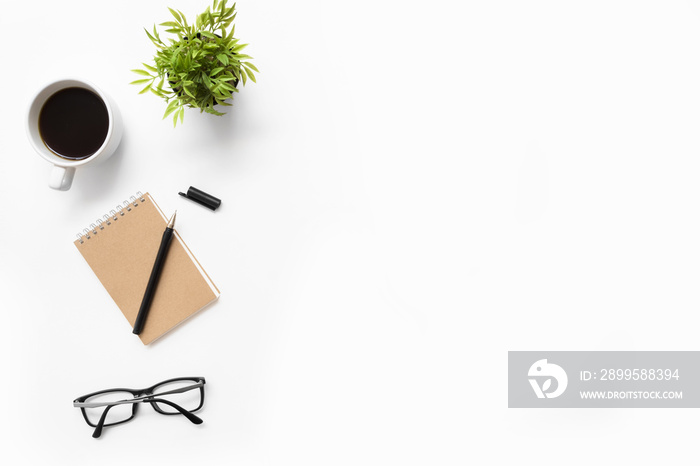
{"points": [[142, 395]]}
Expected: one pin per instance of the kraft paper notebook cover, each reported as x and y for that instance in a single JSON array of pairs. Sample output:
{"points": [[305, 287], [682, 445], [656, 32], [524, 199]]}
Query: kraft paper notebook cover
{"points": [[121, 249]]}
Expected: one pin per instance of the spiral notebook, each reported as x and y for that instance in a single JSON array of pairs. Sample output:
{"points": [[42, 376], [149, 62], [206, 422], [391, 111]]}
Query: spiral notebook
{"points": [[121, 248]]}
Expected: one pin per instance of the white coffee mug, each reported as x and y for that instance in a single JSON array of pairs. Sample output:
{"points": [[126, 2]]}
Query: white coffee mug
{"points": [[61, 176]]}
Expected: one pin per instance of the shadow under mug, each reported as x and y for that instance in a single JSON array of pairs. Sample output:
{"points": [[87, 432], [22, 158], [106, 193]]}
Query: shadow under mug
{"points": [[63, 170]]}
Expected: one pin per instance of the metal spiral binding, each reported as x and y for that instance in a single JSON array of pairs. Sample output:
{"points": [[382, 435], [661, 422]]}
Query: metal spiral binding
{"points": [[113, 216]]}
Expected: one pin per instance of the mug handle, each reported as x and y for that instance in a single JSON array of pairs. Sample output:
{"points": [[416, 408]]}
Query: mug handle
{"points": [[61, 178]]}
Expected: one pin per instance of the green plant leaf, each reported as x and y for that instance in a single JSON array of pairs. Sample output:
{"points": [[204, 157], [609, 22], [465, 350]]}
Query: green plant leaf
{"points": [[153, 39], [172, 106], [227, 86], [142, 72], [250, 65], [205, 79], [149, 67], [184, 20], [212, 111], [188, 91], [140, 81], [250, 74], [223, 58], [176, 15], [145, 89]]}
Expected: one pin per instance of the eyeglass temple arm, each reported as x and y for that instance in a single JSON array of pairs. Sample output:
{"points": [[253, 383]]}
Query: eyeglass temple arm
{"points": [[193, 418], [101, 422], [138, 399]]}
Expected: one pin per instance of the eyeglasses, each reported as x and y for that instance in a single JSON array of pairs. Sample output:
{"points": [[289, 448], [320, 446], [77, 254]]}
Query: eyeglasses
{"points": [[183, 395]]}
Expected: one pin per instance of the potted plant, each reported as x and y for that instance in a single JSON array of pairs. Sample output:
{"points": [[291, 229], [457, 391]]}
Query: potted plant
{"points": [[202, 63]]}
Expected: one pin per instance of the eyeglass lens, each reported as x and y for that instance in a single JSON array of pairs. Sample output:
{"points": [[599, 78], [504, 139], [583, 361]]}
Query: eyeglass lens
{"points": [[191, 400], [116, 414]]}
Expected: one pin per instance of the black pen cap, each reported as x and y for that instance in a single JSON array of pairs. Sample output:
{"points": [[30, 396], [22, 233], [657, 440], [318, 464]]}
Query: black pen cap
{"points": [[200, 197]]}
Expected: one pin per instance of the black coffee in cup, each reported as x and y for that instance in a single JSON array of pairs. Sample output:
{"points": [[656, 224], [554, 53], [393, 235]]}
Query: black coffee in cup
{"points": [[73, 123]]}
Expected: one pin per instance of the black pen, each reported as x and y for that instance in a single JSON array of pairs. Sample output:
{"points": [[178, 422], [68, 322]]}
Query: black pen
{"points": [[155, 275]]}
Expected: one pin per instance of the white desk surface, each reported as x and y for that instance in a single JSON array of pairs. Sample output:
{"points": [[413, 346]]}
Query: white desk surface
{"points": [[409, 191]]}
